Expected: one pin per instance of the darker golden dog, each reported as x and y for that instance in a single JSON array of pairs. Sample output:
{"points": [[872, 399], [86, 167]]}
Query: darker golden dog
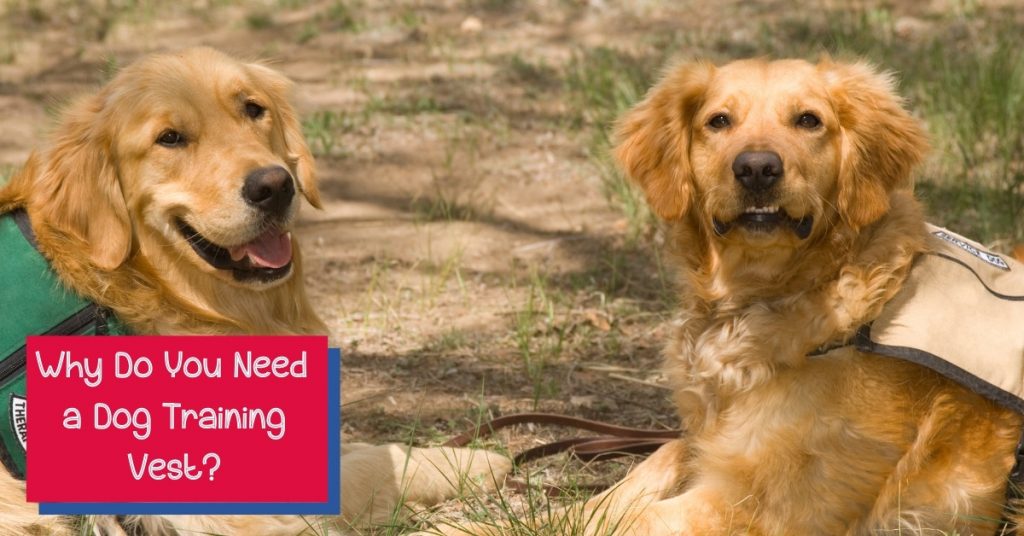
{"points": [[786, 188]]}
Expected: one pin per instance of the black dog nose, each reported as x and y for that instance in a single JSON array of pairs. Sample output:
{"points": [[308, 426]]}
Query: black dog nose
{"points": [[270, 189], [757, 171]]}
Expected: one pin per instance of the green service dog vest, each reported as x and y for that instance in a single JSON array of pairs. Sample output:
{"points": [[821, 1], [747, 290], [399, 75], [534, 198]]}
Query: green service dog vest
{"points": [[34, 302]]}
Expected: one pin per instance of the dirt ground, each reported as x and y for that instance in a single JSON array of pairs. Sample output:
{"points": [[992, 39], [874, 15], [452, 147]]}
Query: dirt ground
{"points": [[467, 259]]}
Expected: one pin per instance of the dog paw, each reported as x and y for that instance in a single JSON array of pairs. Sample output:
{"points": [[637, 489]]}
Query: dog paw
{"points": [[461, 470], [378, 480]]}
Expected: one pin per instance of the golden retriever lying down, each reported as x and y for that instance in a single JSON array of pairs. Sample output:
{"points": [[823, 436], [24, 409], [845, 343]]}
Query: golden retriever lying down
{"points": [[169, 198], [786, 189]]}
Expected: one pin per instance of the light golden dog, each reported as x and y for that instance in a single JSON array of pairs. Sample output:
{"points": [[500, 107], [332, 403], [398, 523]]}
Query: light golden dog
{"points": [[786, 188], [169, 198]]}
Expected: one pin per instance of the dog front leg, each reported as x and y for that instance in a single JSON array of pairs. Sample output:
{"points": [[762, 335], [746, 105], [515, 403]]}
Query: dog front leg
{"points": [[660, 475], [699, 511]]}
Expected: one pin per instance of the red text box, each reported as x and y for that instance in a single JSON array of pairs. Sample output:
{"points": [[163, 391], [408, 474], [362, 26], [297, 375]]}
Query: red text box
{"points": [[177, 419]]}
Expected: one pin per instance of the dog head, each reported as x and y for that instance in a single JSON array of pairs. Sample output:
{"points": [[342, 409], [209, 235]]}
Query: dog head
{"points": [[768, 154], [192, 154]]}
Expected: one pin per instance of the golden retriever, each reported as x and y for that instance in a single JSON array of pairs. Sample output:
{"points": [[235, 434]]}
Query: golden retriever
{"points": [[786, 188], [170, 197]]}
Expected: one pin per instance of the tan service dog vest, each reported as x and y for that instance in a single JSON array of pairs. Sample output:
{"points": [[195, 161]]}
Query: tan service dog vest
{"points": [[960, 313]]}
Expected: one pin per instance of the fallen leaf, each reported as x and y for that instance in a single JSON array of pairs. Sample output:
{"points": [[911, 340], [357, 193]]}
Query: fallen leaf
{"points": [[598, 319]]}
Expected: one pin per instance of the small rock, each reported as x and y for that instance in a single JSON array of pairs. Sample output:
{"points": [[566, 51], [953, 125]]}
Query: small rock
{"points": [[586, 401], [598, 319], [471, 25]]}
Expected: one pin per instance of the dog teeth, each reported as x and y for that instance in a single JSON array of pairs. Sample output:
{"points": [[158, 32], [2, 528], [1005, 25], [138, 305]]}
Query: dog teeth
{"points": [[762, 210]]}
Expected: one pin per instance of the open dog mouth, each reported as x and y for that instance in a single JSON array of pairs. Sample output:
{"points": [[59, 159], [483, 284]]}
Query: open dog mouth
{"points": [[266, 258], [765, 220]]}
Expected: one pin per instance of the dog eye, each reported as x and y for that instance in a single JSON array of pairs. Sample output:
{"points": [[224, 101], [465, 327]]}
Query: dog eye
{"points": [[253, 110], [808, 120], [719, 121], [171, 138]]}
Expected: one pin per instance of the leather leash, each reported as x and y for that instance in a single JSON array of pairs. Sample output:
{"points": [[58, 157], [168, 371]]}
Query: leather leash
{"points": [[615, 441]]}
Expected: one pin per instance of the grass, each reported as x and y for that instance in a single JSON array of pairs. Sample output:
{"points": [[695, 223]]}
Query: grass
{"points": [[533, 511], [441, 274], [321, 129], [308, 33], [410, 19], [603, 83], [492, 5], [324, 128], [979, 130], [409, 105], [341, 16], [536, 75], [6, 172], [456, 191], [539, 338], [259, 20]]}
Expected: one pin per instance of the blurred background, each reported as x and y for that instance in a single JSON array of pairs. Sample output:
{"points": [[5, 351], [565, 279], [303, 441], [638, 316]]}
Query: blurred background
{"points": [[478, 253]]}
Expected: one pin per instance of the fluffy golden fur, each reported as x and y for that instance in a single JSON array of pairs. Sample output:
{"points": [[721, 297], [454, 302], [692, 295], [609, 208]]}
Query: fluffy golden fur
{"points": [[777, 442], [176, 139]]}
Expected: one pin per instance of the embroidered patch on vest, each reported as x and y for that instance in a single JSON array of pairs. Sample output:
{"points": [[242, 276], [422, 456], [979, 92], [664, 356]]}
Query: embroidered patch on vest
{"points": [[19, 407], [991, 258]]}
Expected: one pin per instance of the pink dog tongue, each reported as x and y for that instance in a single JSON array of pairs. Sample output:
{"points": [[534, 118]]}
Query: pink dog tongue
{"points": [[272, 249]]}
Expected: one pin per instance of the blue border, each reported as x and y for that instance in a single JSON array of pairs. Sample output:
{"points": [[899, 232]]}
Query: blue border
{"points": [[331, 507]]}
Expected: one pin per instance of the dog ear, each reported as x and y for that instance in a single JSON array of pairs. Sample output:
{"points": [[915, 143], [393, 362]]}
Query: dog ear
{"points": [[653, 138], [882, 142], [80, 184], [298, 153]]}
